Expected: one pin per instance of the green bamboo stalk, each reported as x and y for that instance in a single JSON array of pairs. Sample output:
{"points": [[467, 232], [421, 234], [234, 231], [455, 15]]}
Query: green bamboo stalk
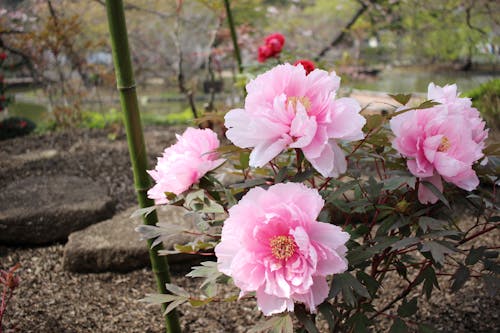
{"points": [[131, 117], [234, 37]]}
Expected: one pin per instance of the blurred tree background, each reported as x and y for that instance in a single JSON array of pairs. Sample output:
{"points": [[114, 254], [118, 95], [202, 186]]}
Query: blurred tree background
{"points": [[178, 46]]}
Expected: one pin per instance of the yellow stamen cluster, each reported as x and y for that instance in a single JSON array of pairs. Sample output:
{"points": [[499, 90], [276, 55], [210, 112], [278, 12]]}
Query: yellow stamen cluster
{"points": [[445, 144], [282, 247], [306, 103]]}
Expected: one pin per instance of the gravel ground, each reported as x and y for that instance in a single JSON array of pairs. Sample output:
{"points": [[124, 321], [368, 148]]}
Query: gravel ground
{"points": [[52, 300]]}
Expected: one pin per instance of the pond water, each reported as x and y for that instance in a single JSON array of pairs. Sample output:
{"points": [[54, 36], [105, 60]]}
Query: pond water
{"points": [[404, 80], [393, 80]]}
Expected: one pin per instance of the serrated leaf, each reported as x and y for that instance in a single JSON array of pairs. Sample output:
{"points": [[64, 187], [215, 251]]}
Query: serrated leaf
{"points": [[143, 212], [405, 242], [159, 298], [176, 290], [374, 121], [371, 283], [427, 104], [395, 182], [437, 250], [174, 304], [427, 223], [249, 183], [398, 326], [282, 173], [347, 283], [430, 281], [407, 309], [306, 320], [277, 324], [475, 255], [329, 313], [302, 176], [461, 276], [401, 98]]}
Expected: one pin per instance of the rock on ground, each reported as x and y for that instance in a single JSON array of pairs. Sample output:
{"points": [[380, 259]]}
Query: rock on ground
{"points": [[42, 210], [114, 245]]}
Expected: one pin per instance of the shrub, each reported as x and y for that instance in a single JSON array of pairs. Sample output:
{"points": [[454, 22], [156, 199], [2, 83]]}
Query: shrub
{"points": [[15, 126]]}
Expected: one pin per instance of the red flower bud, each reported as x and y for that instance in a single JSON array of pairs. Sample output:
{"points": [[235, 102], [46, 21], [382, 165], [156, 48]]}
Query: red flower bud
{"points": [[275, 42], [3, 56], [265, 52], [307, 64]]}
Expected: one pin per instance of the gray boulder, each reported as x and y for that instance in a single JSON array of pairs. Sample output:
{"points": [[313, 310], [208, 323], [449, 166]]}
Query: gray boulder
{"points": [[114, 245], [42, 210]]}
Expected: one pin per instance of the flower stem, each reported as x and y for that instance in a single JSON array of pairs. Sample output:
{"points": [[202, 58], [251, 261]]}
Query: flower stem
{"points": [[234, 37], [131, 117]]}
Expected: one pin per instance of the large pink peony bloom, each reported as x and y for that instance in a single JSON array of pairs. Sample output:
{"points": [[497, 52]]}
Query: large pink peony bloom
{"points": [[273, 245], [184, 163], [442, 142], [285, 108]]}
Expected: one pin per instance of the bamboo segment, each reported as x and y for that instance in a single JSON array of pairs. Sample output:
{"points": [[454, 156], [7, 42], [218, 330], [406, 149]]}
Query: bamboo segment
{"points": [[131, 117]]}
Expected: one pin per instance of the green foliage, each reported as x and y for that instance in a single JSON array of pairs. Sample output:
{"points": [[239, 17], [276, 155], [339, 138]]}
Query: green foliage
{"points": [[486, 98]]}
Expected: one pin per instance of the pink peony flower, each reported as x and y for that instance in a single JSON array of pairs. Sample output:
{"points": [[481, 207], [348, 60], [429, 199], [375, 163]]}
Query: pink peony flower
{"points": [[184, 163], [285, 108], [442, 142], [448, 97], [307, 64], [272, 244]]}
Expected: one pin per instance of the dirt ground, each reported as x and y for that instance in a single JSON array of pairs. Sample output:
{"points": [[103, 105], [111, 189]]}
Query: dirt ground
{"points": [[52, 300]]}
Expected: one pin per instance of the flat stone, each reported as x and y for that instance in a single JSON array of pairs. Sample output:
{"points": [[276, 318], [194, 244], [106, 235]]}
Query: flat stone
{"points": [[114, 245], [43, 210]]}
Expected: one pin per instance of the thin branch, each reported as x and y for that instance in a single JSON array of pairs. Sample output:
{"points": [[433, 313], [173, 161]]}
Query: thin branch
{"points": [[340, 37]]}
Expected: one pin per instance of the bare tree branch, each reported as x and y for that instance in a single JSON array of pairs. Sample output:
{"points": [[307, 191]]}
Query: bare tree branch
{"points": [[342, 34]]}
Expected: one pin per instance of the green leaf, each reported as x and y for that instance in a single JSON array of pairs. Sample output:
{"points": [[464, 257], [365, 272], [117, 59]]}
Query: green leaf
{"points": [[159, 298], [407, 309], [282, 173], [395, 182], [475, 255], [427, 104], [461, 276], [143, 212], [430, 281], [401, 98], [371, 283], [306, 320], [329, 313], [244, 159], [174, 304], [276, 324], [249, 183], [427, 223], [302, 176], [436, 192], [437, 250], [405, 242], [347, 283], [176, 290], [373, 121], [398, 326], [494, 219]]}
